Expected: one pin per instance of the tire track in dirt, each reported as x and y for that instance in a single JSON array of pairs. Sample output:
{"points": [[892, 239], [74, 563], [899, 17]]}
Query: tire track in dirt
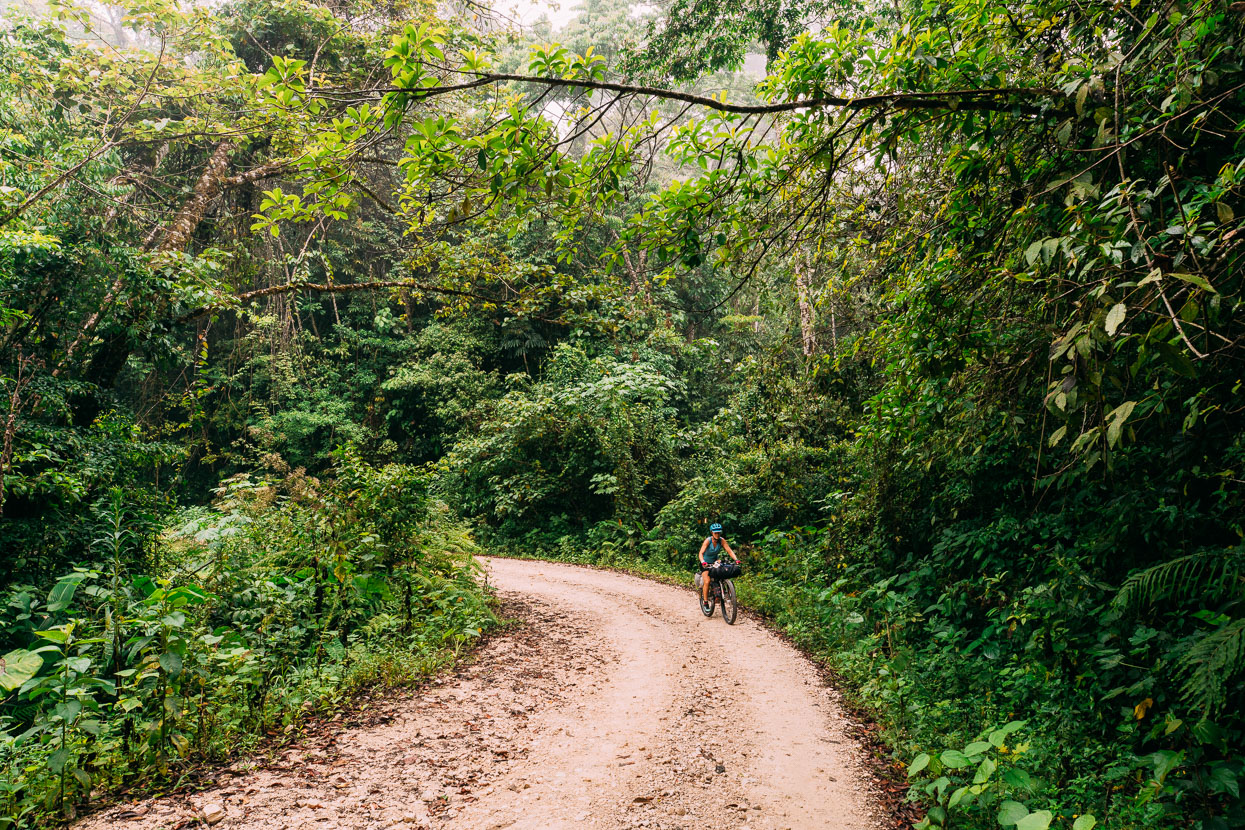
{"points": [[616, 705]]}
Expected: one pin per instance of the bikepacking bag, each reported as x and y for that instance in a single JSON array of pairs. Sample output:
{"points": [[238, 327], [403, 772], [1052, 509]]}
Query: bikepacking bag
{"points": [[726, 570]]}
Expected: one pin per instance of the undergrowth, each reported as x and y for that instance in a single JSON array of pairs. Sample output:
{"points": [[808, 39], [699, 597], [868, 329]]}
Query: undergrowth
{"points": [[285, 598]]}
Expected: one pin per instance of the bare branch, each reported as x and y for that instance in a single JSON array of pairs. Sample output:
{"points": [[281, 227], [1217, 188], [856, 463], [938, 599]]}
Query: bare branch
{"points": [[1001, 99]]}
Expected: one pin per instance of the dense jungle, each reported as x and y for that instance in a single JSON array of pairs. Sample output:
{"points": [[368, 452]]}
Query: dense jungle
{"points": [[935, 306]]}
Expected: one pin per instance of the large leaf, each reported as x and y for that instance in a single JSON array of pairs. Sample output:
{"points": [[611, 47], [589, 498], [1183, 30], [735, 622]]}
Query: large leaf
{"points": [[987, 768], [1019, 779], [57, 760], [17, 667], [1036, 821], [1011, 812], [919, 763], [1116, 419], [1115, 317], [954, 759], [976, 748], [1194, 279], [1165, 760], [171, 662], [61, 595]]}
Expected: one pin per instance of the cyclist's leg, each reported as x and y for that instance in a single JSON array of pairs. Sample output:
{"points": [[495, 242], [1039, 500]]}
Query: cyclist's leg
{"points": [[704, 585]]}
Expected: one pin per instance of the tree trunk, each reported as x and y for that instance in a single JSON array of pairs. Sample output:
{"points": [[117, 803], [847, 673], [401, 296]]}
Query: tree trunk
{"points": [[637, 267], [116, 19], [212, 181], [804, 296], [209, 186], [172, 237], [12, 420], [834, 327]]}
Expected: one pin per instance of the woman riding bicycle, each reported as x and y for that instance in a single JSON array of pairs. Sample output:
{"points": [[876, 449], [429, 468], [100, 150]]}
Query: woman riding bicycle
{"points": [[710, 551]]}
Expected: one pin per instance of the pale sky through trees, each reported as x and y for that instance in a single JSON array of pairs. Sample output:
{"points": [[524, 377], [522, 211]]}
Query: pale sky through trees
{"points": [[531, 11]]}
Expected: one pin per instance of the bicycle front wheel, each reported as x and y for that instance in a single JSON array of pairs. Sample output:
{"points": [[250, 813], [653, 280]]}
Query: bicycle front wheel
{"points": [[706, 608], [729, 607]]}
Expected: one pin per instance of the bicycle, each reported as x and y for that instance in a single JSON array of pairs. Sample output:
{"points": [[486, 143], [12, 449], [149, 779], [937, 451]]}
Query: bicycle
{"points": [[720, 590]]}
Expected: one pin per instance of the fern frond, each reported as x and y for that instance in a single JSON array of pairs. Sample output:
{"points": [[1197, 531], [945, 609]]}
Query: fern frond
{"points": [[1212, 664], [1208, 574]]}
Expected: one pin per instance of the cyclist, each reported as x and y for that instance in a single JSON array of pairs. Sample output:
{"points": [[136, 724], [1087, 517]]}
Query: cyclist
{"points": [[710, 551]]}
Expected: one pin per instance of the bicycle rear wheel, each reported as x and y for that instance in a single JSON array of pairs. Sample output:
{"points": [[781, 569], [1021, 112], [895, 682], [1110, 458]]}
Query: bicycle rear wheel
{"points": [[729, 608]]}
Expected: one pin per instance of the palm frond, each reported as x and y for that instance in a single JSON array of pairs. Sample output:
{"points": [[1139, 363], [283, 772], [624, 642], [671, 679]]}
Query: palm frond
{"points": [[1211, 666], [1212, 575]]}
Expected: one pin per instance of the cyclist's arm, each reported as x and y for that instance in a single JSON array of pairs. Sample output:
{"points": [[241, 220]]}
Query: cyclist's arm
{"points": [[727, 546], [703, 547]]}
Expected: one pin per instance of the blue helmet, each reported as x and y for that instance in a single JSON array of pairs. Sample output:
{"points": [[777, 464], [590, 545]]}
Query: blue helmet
{"points": [[715, 528]]}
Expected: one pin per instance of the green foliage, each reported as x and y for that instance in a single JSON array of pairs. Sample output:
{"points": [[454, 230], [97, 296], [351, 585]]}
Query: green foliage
{"points": [[979, 779], [592, 442], [942, 317], [1214, 574], [1215, 661], [1214, 664], [273, 604], [694, 38]]}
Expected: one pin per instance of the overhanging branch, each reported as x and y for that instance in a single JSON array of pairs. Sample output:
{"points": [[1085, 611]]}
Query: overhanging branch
{"points": [[1000, 99], [329, 288]]}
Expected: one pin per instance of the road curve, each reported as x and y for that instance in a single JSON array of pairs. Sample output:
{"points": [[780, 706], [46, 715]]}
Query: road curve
{"points": [[726, 722], [616, 705]]}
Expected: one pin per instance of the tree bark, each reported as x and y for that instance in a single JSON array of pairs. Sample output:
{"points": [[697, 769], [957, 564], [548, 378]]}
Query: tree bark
{"points": [[804, 296], [637, 266], [177, 234], [834, 327], [13, 420], [993, 99], [212, 182]]}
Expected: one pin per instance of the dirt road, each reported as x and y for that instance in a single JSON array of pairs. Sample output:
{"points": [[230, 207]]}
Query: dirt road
{"points": [[617, 705]]}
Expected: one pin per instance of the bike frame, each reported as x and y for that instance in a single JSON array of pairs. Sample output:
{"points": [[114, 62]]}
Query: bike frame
{"points": [[717, 595]]}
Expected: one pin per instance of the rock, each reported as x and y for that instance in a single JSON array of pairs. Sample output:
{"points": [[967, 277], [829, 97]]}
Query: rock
{"points": [[213, 813]]}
